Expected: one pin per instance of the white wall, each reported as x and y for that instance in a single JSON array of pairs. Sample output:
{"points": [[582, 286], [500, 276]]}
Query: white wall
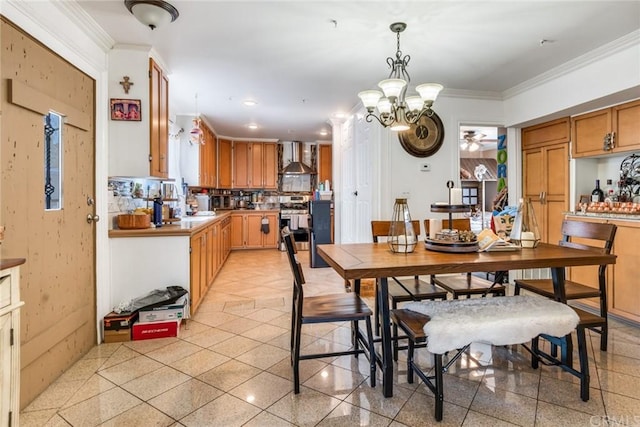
{"points": [[129, 141], [605, 76]]}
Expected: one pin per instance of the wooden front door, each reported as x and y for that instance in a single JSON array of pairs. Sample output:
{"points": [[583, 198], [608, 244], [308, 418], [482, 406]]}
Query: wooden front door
{"points": [[58, 283]]}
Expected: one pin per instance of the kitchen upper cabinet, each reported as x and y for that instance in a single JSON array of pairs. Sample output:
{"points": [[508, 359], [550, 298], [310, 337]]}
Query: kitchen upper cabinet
{"points": [[246, 230], [241, 164], [254, 165], [547, 133], [546, 183], [225, 162], [270, 166], [325, 163], [208, 164], [159, 121], [610, 130]]}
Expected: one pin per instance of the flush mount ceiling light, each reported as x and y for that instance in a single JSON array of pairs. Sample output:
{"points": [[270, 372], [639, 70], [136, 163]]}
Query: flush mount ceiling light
{"points": [[152, 13], [394, 110], [250, 102]]}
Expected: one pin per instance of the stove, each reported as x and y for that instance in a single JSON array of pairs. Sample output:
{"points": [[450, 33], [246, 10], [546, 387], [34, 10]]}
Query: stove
{"points": [[294, 215], [293, 205]]}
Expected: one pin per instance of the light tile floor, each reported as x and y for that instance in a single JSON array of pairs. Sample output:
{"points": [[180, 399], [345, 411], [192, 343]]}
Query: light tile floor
{"points": [[230, 367]]}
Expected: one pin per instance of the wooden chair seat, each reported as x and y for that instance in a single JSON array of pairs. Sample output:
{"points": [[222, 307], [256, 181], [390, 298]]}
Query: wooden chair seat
{"points": [[573, 290], [335, 308], [419, 290], [590, 236], [462, 284]]}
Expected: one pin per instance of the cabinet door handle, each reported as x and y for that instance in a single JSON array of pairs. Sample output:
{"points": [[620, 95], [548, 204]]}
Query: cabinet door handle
{"points": [[608, 142], [613, 140]]}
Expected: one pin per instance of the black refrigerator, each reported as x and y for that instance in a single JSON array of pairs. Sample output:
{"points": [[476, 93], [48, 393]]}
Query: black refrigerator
{"points": [[319, 229]]}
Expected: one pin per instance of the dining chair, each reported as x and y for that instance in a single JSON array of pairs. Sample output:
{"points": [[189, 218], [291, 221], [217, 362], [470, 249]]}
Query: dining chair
{"points": [[331, 308], [592, 236], [467, 284], [403, 289]]}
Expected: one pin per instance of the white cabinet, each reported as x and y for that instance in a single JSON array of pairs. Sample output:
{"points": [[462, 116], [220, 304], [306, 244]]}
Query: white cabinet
{"points": [[10, 341]]}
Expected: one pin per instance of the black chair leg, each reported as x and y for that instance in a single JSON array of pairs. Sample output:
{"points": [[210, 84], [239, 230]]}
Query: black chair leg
{"points": [[354, 336], [377, 309], [410, 352], [534, 352], [439, 394], [394, 305], [584, 364], [296, 358], [372, 353]]}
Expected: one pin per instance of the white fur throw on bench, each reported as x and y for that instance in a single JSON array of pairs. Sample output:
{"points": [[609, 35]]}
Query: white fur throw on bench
{"points": [[498, 320]]}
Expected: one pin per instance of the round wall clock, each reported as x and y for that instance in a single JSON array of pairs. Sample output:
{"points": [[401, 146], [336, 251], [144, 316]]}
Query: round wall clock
{"points": [[423, 139]]}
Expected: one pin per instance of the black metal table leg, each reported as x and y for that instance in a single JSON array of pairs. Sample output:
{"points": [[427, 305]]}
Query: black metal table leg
{"points": [[558, 278], [387, 356]]}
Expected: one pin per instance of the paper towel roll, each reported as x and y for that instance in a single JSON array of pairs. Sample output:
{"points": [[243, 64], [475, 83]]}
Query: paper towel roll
{"points": [[435, 226], [456, 196]]}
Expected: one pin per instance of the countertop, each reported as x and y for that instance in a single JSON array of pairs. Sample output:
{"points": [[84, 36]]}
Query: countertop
{"points": [[596, 215], [187, 226]]}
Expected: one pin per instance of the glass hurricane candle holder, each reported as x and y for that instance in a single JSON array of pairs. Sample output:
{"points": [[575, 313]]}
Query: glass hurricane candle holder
{"points": [[525, 230], [402, 236]]}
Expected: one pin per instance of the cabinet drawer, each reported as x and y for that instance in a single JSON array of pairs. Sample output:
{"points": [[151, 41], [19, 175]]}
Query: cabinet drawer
{"points": [[5, 291]]}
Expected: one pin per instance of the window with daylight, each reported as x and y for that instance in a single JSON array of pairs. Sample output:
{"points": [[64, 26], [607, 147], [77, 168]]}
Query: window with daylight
{"points": [[53, 161], [470, 195]]}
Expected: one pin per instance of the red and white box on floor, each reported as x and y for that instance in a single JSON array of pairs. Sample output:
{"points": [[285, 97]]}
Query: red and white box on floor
{"points": [[159, 329]]}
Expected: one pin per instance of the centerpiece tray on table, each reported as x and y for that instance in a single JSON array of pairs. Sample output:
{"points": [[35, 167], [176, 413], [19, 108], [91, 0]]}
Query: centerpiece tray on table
{"points": [[453, 241]]}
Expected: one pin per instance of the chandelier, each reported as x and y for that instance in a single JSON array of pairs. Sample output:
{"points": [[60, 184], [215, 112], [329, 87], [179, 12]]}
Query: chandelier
{"points": [[394, 110]]}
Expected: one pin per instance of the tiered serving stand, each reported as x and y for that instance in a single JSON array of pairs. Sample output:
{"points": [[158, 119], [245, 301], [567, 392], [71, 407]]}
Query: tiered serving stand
{"points": [[443, 242]]}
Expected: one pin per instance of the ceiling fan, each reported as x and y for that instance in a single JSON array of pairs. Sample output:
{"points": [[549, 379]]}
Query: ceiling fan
{"points": [[470, 140]]}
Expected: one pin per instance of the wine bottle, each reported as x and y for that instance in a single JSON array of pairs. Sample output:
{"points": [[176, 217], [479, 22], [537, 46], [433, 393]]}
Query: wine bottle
{"points": [[597, 195]]}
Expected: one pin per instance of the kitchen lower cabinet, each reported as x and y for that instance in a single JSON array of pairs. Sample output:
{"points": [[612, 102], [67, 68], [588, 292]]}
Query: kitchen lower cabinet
{"points": [[623, 298], [246, 230], [10, 341], [198, 268]]}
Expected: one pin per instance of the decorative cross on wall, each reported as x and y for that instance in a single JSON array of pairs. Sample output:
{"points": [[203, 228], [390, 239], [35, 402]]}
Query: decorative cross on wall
{"points": [[126, 84]]}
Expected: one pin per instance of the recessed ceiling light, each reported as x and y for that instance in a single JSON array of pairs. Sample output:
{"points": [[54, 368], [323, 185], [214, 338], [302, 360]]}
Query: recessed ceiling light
{"points": [[250, 102], [252, 126], [339, 115], [324, 132]]}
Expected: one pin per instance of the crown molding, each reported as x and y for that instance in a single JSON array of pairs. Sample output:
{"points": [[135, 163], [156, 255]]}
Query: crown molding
{"points": [[86, 23], [470, 94], [630, 40]]}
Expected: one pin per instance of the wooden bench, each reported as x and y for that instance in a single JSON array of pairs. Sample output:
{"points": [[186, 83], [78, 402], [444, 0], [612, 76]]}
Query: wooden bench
{"points": [[422, 323]]}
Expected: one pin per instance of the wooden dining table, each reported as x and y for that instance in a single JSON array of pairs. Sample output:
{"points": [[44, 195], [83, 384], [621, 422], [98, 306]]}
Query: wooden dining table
{"points": [[356, 261]]}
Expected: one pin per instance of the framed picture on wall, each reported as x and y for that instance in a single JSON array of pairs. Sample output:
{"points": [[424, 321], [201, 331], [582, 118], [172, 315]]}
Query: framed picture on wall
{"points": [[126, 109]]}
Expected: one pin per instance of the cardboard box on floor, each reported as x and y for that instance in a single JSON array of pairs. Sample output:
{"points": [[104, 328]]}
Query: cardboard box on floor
{"points": [[161, 329], [117, 327], [176, 311]]}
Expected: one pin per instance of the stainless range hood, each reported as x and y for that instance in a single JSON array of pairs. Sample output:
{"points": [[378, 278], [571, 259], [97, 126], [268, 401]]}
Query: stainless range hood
{"points": [[297, 167]]}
